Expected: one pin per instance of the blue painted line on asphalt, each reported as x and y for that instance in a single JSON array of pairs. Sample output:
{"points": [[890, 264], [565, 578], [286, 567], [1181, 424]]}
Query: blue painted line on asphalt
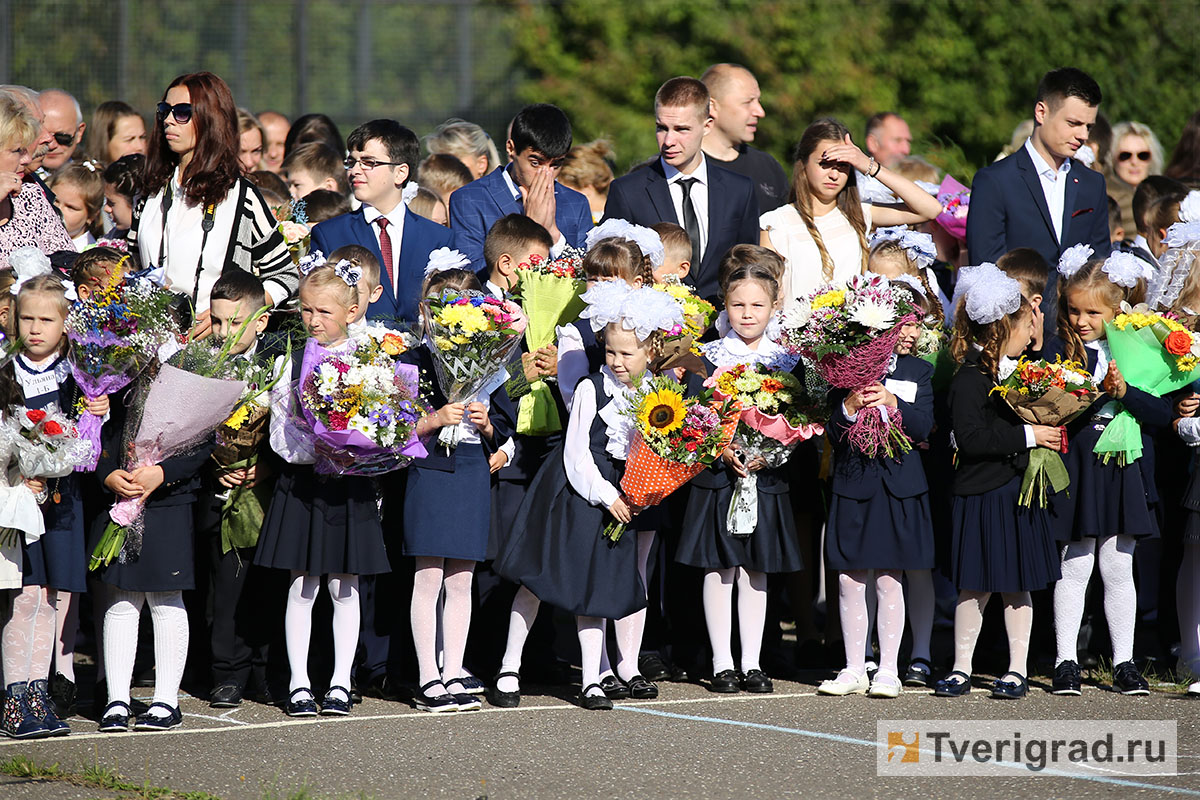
{"points": [[834, 737]]}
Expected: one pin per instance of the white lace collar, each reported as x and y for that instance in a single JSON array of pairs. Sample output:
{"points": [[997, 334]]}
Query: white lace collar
{"points": [[618, 422], [731, 351]]}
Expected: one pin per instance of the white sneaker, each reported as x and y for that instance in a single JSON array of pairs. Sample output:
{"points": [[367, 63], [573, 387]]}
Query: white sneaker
{"points": [[846, 683], [884, 685], [1194, 689]]}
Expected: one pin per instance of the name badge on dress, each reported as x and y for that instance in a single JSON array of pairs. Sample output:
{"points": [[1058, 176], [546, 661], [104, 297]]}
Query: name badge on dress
{"points": [[38, 384], [905, 390]]}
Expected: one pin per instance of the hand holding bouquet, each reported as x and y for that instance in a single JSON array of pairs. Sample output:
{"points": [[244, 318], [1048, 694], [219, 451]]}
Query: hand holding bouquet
{"points": [[293, 225], [1045, 393], [46, 442], [675, 439]]}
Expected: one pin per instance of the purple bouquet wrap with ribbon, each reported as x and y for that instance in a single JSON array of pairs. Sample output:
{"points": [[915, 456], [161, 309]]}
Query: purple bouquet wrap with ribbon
{"points": [[94, 386]]}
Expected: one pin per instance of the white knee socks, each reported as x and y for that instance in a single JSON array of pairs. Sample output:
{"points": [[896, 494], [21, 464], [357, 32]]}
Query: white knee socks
{"points": [[170, 646], [718, 616], [630, 629], [120, 641], [591, 634]]}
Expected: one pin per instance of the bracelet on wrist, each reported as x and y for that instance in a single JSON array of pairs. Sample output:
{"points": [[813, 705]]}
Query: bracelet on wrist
{"points": [[878, 167]]}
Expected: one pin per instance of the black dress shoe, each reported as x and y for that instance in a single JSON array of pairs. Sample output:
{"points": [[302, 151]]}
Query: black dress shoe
{"points": [[594, 702], [613, 688], [336, 702], [1127, 679], [727, 681], [757, 681], [953, 688], [355, 694], [227, 695], [505, 699], [641, 689], [63, 693], [115, 718], [153, 722], [304, 707], [1067, 679], [654, 667]]}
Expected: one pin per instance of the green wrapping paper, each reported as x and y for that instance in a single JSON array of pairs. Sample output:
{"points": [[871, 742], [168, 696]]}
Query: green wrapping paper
{"points": [[548, 301], [1046, 475], [244, 510]]}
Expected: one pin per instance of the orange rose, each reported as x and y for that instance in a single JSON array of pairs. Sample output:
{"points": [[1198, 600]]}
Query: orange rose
{"points": [[1178, 343], [771, 385]]}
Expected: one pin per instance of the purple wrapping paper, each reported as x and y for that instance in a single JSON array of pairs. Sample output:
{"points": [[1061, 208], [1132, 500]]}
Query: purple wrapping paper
{"points": [[89, 425]]}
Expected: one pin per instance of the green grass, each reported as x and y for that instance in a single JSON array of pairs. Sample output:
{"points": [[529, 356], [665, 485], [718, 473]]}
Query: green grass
{"points": [[1160, 679]]}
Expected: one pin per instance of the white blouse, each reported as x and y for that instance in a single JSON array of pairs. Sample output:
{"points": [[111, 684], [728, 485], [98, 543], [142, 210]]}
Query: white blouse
{"points": [[582, 472], [803, 274], [730, 350]]}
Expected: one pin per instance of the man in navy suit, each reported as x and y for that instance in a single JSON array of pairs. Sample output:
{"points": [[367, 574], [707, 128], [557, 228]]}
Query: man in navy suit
{"points": [[1039, 197], [717, 207], [538, 142], [383, 155]]}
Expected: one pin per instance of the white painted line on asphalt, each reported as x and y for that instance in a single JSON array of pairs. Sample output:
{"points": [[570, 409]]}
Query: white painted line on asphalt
{"points": [[221, 718], [875, 745]]}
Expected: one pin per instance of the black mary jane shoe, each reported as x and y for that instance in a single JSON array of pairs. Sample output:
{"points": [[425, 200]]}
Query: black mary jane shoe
{"points": [[757, 682], [727, 681], [333, 704], [116, 718], [437, 704], [466, 701], [641, 689], [1010, 690], [505, 699], [594, 702], [948, 688], [614, 688], [153, 722], [304, 707], [919, 670]]}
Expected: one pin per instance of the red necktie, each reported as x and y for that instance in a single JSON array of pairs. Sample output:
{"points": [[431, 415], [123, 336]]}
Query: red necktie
{"points": [[385, 250]]}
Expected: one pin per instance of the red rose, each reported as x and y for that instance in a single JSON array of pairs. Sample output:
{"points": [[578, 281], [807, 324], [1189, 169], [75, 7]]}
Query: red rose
{"points": [[691, 446], [52, 428], [1178, 343], [35, 415]]}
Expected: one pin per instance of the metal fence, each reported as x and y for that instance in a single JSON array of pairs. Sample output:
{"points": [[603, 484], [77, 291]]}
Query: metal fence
{"points": [[412, 60]]}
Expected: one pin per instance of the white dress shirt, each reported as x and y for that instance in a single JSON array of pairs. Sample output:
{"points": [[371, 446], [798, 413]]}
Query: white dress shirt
{"points": [[1054, 186], [395, 230], [558, 246], [699, 195]]}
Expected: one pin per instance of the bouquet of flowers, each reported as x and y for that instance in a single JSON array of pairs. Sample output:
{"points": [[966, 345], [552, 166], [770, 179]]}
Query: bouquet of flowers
{"points": [[698, 313], [473, 336], [200, 380], [849, 333], [114, 335], [676, 438], [1045, 393], [773, 422], [1156, 354], [293, 224], [46, 442], [362, 407], [956, 204], [550, 293]]}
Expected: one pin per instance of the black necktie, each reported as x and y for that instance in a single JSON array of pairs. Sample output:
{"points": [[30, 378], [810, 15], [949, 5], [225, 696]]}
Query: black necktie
{"points": [[690, 223]]}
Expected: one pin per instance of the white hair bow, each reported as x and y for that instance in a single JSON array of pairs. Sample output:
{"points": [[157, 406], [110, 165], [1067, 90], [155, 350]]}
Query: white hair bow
{"points": [[919, 246], [1073, 258], [443, 259], [27, 263], [1125, 269]]}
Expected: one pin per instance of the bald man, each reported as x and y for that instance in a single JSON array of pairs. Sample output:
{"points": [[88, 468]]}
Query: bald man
{"points": [[736, 108], [888, 138], [64, 121], [276, 126]]}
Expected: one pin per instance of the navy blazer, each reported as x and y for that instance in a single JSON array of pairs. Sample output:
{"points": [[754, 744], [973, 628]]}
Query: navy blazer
{"points": [[1008, 210], [420, 238], [861, 478], [643, 197], [475, 208]]}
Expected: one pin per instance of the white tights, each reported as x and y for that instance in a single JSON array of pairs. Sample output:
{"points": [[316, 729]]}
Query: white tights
{"points": [[455, 577], [718, 615], [27, 641], [170, 643], [968, 619], [852, 599], [302, 594], [1120, 596]]}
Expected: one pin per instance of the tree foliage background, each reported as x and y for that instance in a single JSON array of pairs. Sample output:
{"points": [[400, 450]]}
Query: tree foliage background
{"points": [[962, 72]]}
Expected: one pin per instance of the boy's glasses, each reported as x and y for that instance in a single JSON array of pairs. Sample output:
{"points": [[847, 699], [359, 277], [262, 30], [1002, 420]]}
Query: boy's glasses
{"points": [[369, 163], [1126, 155], [182, 112]]}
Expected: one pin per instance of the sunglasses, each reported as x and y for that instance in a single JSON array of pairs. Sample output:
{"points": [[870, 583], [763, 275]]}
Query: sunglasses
{"points": [[182, 112], [369, 163], [1142, 156], [64, 139]]}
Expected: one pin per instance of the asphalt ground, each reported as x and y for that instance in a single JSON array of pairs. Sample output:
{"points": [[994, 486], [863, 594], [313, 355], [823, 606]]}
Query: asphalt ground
{"points": [[687, 743]]}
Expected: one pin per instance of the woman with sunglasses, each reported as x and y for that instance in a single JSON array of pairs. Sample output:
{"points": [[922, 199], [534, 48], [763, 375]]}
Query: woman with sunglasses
{"points": [[26, 216], [201, 216], [1136, 154]]}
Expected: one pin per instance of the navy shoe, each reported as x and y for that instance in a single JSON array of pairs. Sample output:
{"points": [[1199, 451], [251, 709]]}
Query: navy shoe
{"points": [[465, 701], [1010, 690], [1067, 679], [333, 705], [304, 707], [42, 707], [436, 704], [505, 699], [948, 688], [153, 722], [613, 688], [19, 721], [1127, 679], [919, 670], [115, 718], [472, 685], [227, 695]]}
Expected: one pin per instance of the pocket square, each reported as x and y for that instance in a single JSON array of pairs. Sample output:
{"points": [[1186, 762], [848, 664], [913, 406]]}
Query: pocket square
{"points": [[1082, 211]]}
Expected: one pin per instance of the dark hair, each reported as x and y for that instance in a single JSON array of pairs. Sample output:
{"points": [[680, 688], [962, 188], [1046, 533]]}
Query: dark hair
{"points": [[319, 160], [96, 264], [214, 168], [542, 127], [313, 128], [683, 92], [875, 122], [1101, 134], [401, 144], [1162, 214], [617, 258], [237, 285], [268, 181], [1185, 159], [323, 204], [362, 257], [1027, 267], [991, 336], [104, 126], [125, 174], [1150, 190], [462, 280], [510, 234], [826, 130], [751, 262], [1059, 84]]}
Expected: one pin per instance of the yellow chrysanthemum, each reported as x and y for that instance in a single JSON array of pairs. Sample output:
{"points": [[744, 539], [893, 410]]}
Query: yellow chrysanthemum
{"points": [[834, 298], [238, 417], [661, 412], [467, 317]]}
